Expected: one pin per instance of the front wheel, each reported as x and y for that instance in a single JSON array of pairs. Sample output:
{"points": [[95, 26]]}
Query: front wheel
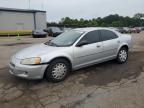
{"points": [[122, 56], [58, 70]]}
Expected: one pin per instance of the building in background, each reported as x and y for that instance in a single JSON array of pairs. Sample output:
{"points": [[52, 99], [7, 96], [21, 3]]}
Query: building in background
{"points": [[21, 20]]}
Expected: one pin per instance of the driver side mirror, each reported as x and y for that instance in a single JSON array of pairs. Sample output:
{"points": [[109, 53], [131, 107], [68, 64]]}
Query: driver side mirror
{"points": [[82, 43]]}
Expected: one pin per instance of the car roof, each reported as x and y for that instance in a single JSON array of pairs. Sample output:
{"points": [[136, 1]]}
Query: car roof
{"points": [[88, 29]]}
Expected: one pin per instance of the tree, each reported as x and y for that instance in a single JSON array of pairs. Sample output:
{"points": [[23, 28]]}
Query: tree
{"points": [[110, 20], [139, 16], [66, 20]]}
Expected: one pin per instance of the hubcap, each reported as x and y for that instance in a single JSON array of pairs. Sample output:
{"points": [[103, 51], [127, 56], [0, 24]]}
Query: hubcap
{"points": [[123, 55], [59, 71]]}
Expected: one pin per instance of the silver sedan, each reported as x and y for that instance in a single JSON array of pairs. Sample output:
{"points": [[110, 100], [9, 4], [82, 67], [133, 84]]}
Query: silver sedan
{"points": [[72, 50]]}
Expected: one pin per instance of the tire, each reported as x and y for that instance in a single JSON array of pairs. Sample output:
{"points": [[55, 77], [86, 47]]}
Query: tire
{"points": [[43, 36], [35, 36], [39, 36], [122, 56], [53, 74]]}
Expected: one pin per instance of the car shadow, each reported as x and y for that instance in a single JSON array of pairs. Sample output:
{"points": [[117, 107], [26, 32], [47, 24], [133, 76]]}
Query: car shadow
{"points": [[100, 74], [111, 71]]}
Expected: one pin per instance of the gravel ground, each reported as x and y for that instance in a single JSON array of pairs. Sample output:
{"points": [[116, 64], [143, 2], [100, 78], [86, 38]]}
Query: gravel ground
{"points": [[106, 85]]}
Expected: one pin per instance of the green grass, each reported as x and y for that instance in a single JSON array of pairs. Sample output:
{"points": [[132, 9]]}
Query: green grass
{"points": [[15, 32]]}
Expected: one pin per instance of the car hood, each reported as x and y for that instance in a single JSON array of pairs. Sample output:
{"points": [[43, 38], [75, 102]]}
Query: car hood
{"points": [[35, 51]]}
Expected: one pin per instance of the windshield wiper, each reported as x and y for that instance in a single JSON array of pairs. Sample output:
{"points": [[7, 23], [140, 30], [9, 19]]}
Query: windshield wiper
{"points": [[51, 44]]}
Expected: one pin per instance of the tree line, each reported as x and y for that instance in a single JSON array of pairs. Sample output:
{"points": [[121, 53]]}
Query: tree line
{"points": [[109, 21]]}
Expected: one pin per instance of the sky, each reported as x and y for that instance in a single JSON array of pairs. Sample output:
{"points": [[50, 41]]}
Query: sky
{"points": [[87, 9]]}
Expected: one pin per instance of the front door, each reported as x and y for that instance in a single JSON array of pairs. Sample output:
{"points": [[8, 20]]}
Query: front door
{"points": [[89, 53]]}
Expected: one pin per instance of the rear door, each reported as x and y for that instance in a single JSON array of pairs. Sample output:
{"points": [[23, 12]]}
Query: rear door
{"points": [[89, 53], [110, 43]]}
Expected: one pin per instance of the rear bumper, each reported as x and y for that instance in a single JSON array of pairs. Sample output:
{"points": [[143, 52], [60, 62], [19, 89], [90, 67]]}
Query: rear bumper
{"points": [[39, 34]]}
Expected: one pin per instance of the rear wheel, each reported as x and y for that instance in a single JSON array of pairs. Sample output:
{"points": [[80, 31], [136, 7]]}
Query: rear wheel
{"points": [[58, 70], [122, 56]]}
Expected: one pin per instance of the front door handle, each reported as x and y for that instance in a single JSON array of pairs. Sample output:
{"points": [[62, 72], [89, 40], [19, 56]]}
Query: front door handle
{"points": [[118, 41], [98, 46]]}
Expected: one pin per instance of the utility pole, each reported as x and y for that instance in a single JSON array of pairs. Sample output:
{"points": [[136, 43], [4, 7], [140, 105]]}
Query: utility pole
{"points": [[29, 4], [42, 6]]}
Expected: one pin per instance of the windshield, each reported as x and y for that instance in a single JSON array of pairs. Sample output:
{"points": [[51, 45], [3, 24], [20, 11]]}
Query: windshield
{"points": [[55, 29], [65, 39]]}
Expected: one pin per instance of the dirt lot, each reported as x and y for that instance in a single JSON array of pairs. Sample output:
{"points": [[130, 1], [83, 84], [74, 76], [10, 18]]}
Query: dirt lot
{"points": [[107, 85]]}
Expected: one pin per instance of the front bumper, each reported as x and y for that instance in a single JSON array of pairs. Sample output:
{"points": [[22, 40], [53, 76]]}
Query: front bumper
{"points": [[26, 71]]}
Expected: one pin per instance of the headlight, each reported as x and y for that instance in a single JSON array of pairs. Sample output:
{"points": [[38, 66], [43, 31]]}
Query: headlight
{"points": [[31, 61]]}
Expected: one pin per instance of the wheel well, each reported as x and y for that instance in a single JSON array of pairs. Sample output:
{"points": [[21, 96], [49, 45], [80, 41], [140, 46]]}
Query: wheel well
{"points": [[64, 58], [125, 46]]}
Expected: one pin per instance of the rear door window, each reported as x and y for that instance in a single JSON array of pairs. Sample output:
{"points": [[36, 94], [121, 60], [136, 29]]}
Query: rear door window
{"points": [[107, 35]]}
